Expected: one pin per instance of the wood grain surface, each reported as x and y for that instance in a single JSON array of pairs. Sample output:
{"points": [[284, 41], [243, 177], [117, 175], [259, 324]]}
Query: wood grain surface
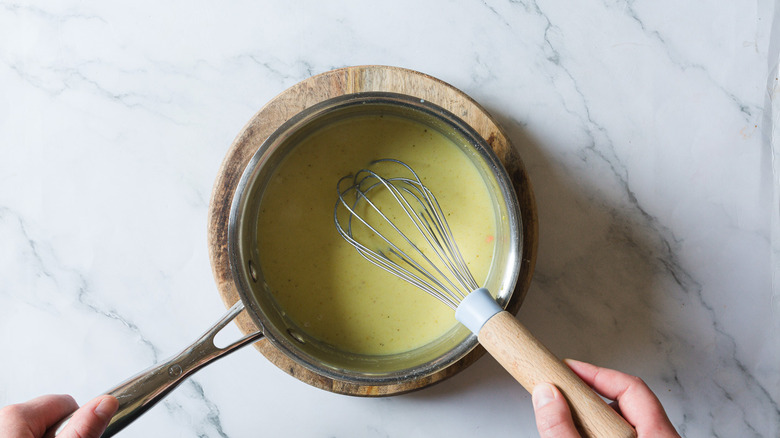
{"points": [[531, 363], [323, 87]]}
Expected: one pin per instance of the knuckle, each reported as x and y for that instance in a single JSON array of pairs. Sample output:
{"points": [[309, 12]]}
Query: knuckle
{"points": [[636, 383], [84, 431], [13, 421], [13, 411], [554, 424]]}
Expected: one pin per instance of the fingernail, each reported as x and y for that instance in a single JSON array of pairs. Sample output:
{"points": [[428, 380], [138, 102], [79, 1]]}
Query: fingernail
{"points": [[543, 394], [106, 408]]}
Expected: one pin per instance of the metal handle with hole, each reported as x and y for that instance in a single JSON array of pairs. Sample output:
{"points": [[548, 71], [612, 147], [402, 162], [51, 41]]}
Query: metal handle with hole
{"points": [[139, 393]]}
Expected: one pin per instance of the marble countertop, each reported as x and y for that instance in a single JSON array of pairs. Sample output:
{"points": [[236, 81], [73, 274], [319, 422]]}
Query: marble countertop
{"points": [[647, 129]]}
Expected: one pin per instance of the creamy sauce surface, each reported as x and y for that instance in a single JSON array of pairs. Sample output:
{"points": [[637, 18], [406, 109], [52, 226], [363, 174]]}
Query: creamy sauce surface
{"points": [[320, 281]]}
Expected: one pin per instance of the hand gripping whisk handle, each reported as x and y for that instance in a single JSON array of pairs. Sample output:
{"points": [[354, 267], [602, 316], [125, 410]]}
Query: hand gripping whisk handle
{"points": [[530, 363]]}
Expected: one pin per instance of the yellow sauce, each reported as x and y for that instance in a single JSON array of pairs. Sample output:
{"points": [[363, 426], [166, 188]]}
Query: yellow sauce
{"points": [[320, 281]]}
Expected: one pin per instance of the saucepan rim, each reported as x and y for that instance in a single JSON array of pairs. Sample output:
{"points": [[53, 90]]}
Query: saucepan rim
{"points": [[245, 271]]}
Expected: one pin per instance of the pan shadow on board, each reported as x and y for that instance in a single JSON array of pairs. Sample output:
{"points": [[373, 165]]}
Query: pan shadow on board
{"points": [[595, 294]]}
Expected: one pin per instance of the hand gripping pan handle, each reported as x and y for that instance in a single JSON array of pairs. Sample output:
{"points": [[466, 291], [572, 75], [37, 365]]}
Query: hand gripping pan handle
{"points": [[139, 393]]}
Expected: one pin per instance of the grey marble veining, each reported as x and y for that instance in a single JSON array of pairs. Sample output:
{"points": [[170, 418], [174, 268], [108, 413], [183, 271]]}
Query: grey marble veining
{"points": [[647, 129]]}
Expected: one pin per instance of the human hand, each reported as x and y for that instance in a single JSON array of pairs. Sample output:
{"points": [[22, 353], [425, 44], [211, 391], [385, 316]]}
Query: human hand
{"points": [[32, 419], [635, 402]]}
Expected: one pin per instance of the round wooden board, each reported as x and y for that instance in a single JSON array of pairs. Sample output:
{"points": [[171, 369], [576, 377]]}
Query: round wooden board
{"points": [[323, 87]]}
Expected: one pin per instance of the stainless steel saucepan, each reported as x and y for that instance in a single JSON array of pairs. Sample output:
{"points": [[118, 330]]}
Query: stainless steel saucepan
{"points": [[141, 392]]}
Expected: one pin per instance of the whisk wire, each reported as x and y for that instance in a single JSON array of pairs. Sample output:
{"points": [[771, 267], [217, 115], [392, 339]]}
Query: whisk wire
{"points": [[455, 259], [430, 226], [428, 232], [428, 219], [379, 258]]}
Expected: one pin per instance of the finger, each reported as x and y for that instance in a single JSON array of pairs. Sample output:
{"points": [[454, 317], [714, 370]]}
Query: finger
{"points": [[553, 417], [33, 417], [636, 401], [91, 419]]}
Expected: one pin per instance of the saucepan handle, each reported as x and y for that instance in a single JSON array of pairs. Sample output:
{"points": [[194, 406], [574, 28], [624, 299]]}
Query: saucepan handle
{"points": [[139, 393]]}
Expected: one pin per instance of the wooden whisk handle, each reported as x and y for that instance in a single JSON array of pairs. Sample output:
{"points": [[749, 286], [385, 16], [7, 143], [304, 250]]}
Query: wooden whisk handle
{"points": [[530, 363]]}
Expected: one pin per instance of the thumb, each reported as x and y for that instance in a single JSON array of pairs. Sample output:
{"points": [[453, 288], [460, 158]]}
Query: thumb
{"points": [[90, 420], [553, 418]]}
